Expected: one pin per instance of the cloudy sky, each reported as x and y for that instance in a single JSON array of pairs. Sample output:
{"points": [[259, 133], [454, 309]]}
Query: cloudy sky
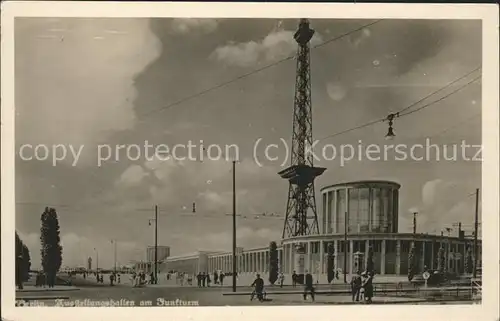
{"points": [[86, 82]]}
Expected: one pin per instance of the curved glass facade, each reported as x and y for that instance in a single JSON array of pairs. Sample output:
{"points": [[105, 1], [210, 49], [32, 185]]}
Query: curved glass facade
{"points": [[368, 207]]}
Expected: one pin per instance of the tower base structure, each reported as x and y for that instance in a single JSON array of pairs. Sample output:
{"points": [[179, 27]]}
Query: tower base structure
{"points": [[301, 200]]}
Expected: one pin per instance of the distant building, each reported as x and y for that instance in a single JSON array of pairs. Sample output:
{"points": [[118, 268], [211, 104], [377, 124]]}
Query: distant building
{"points": [[163, 253]]}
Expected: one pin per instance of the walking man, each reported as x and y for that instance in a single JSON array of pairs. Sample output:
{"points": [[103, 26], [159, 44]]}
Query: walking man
{"points": [[258, 285], [308, 286], [356, 286]]}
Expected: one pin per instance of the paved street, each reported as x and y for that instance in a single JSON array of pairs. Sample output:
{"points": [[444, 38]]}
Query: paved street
{"points": [[213, 296]]}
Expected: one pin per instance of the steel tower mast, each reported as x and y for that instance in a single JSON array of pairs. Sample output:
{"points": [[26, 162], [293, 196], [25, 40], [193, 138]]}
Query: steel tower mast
{"points": [[301, 214]]}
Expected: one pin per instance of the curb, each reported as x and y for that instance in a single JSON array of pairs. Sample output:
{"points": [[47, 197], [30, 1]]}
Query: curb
{"points": [[46, 290], [42, 297]]}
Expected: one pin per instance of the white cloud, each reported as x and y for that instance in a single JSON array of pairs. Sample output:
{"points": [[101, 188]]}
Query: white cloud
{"points": [[133, 175], [357, 38], [430, 191], [336, 91], [246, 237], [77, 249], [77, 85], [276, 45], [185, 25], [444, 203]]}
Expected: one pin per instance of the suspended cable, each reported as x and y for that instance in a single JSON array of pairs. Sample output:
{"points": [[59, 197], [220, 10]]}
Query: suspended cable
{"points": [[380, 120], [243, 76], [440, 89]]}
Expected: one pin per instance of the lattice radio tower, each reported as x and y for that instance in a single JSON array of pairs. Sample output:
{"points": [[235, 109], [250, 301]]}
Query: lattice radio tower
{"points": [[301, 214]]}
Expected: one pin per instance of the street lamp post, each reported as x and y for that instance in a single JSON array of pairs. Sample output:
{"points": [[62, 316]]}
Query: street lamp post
{"points": [[97, 260], [234, 226], [345, 246], [156, 244], [114, 254]]}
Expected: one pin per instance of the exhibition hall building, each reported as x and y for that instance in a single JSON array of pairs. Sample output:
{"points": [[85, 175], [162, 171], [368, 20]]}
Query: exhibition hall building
{"points": [[353, 217]]}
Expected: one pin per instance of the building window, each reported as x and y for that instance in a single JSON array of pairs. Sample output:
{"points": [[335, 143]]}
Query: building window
{"points": [[343, 246], [353, 218], [330, 212], [341, 210], [390, 246], [405, 246], [324, 214], [384, 222], [376, 210], [364, 210], [395, 212]]}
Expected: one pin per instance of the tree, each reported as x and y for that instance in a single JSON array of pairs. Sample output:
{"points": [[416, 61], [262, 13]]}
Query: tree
{"points": [[370, 265], [27, 263], [51, 251], [19, 262], [441, 261], [22, 262], [469, 264], [330, 263], [412, 262], [273, 262]]}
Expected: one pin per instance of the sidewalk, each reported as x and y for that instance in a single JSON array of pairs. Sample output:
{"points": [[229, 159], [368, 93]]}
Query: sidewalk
{"points": [[57, 288], [297, 299]]}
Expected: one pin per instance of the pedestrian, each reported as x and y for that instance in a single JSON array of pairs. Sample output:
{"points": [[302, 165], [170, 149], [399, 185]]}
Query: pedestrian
{"points": [[337, 274], [258, 291], [221, 278], [37, 280], [281, 279], [198, 277], [368, 288], [119, 278], [216, 278], [356, 286], [294, 279], [43, 279], [102, 279], [204, 279], [152, 278], [111, 279], [308, 286]]}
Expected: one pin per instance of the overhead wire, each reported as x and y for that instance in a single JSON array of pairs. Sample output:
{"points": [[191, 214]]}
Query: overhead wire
{"points": [[248, 74], [439, 90], [401, 114], [440, 99], [291, 57], [255, 71]]}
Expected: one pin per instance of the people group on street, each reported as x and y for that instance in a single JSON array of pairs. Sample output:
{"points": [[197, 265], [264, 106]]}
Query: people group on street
{"points": [[362, 287]]}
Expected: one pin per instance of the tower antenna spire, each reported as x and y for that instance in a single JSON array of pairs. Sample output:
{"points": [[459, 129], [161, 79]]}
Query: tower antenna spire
{"points": [[301, 212]]}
